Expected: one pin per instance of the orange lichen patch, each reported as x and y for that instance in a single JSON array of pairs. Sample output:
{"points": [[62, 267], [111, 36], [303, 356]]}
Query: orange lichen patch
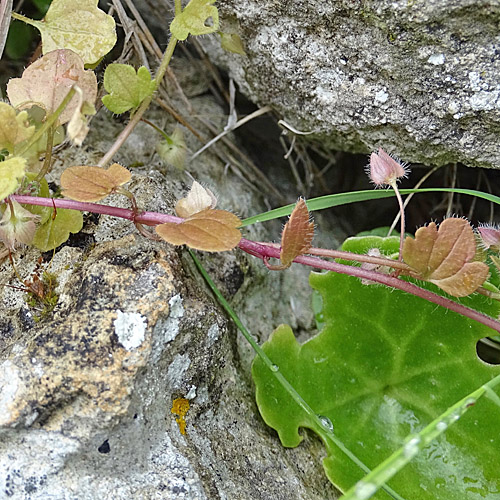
{"points": [[180, 406]]}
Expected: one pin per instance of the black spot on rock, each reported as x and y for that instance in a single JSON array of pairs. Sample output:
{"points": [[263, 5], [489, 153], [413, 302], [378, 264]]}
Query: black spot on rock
{"points": [[104, 448]]}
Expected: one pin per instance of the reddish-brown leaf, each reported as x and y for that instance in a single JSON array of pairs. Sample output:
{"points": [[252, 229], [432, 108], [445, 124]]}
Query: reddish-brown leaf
{"points": [[210, 230], [297, 234], [83, 183], [445, 257]]}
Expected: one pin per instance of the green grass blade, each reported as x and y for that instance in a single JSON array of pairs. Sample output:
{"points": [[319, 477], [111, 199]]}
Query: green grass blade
{"points": [[334, 200]]}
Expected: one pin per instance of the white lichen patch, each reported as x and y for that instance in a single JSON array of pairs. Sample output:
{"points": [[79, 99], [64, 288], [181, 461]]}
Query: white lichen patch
{"points": [[213, 333], [474, 80], [130, 328], [176, 313], [484, 101], [436, 59], [191, 393], [381, 96], [176, 370]]}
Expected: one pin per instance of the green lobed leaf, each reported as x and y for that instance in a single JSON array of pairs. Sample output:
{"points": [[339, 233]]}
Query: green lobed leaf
{"points": [[78, 25], [194, 19], [127, 88], [384, 366], [55, 231]]}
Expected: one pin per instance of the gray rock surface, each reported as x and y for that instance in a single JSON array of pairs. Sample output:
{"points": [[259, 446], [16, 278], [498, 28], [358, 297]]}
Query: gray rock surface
{"points": [[86, 394], [418, 77]]}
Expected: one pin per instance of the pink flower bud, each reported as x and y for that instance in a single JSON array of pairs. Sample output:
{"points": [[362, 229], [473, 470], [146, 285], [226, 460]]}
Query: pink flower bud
{"points": [[384, 170], [490, 235]]}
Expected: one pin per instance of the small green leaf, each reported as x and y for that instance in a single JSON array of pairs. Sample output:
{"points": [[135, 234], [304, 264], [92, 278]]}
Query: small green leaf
{"points": [[127, 88], [11, 172], [231, 42], [56, 230], [195, 19], [77, 25], [37, 149], [385, 365]]}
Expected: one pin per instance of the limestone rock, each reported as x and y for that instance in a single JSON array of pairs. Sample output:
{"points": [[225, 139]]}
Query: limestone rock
{"points": [[419, 77]]}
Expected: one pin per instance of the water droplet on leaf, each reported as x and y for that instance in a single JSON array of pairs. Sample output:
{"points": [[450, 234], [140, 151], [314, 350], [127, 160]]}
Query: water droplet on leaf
{"points": [[441, 426], [326, 423], [411, 447]]}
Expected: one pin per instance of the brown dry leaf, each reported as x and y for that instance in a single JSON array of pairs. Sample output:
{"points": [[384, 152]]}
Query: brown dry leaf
{"points": [[198, 199], [297, 234], [83, 183], [48, 80], [210, 230], [445, 257]]}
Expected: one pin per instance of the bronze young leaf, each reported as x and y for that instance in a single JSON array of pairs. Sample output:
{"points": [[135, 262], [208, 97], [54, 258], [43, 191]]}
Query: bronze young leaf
{"points": [[445, 257], [83, 183], [210, 230], [297, 234]]}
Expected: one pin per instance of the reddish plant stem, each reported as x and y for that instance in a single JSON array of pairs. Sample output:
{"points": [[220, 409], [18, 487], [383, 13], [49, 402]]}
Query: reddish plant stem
{"points": [[265, 251], [340, 254], [146, 218]]}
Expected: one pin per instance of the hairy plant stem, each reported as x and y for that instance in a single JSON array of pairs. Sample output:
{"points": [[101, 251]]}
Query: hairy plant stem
{"points": [[402, 215], [134, 120], [159, 130], [178, 7], [48, 154], [264, 251], [340, 254]]}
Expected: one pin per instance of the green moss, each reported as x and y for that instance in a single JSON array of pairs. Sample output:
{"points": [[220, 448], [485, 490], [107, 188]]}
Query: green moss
{"points": [[43, 297]]}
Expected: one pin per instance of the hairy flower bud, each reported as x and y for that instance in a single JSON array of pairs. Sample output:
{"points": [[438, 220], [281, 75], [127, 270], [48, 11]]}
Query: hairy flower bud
{"points": [[490, 236], [17, 225], [384, 170]]}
